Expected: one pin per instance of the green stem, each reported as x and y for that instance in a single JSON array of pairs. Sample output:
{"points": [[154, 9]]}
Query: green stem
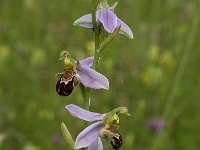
{"points": [[180, 71], [99, 47], [86, 91], [96, 32], [84, 94], [87, 98]]}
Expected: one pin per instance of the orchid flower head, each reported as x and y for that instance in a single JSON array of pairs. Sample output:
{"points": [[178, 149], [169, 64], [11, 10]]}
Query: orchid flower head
{"points": [[80, 72], [106, 127], [106, 17]]}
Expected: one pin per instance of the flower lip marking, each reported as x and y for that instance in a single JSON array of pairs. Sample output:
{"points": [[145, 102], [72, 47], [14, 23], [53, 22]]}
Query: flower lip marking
{"points": [[109, 132], [116, 141], [66, 83]]}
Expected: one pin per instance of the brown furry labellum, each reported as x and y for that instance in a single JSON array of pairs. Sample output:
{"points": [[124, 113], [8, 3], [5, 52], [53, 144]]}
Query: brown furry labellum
{"points": [[116, 141], [66, 83]]}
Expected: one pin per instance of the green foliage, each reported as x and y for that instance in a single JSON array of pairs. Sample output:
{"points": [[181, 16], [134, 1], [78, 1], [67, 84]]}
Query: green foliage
{"points": [[142, 72]]}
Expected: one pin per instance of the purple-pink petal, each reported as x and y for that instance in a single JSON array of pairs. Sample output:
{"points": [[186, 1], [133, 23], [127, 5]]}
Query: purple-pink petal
{"points": [[87, 62], [124, 29], [85, 21], [96, 145], [83, 114], [88, 135], [108, 19], [92, 79]]}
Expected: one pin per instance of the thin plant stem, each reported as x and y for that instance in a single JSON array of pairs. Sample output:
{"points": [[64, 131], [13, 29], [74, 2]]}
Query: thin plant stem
{"points": [[99, 47], [97, 43], [179, 74], [96, 32], [87, 91]]}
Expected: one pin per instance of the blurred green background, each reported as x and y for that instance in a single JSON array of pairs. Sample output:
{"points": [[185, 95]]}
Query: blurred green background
{"points": [[155, 75]]}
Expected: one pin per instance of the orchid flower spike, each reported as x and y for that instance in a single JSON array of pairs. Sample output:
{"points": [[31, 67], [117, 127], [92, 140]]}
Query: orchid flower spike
{"points": [[106, 17], [80, 72], [106, 127]]}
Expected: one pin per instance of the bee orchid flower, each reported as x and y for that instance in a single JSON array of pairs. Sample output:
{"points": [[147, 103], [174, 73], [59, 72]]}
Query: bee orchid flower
{"points": [[106, 127], [81, 72], [108, 19]]}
